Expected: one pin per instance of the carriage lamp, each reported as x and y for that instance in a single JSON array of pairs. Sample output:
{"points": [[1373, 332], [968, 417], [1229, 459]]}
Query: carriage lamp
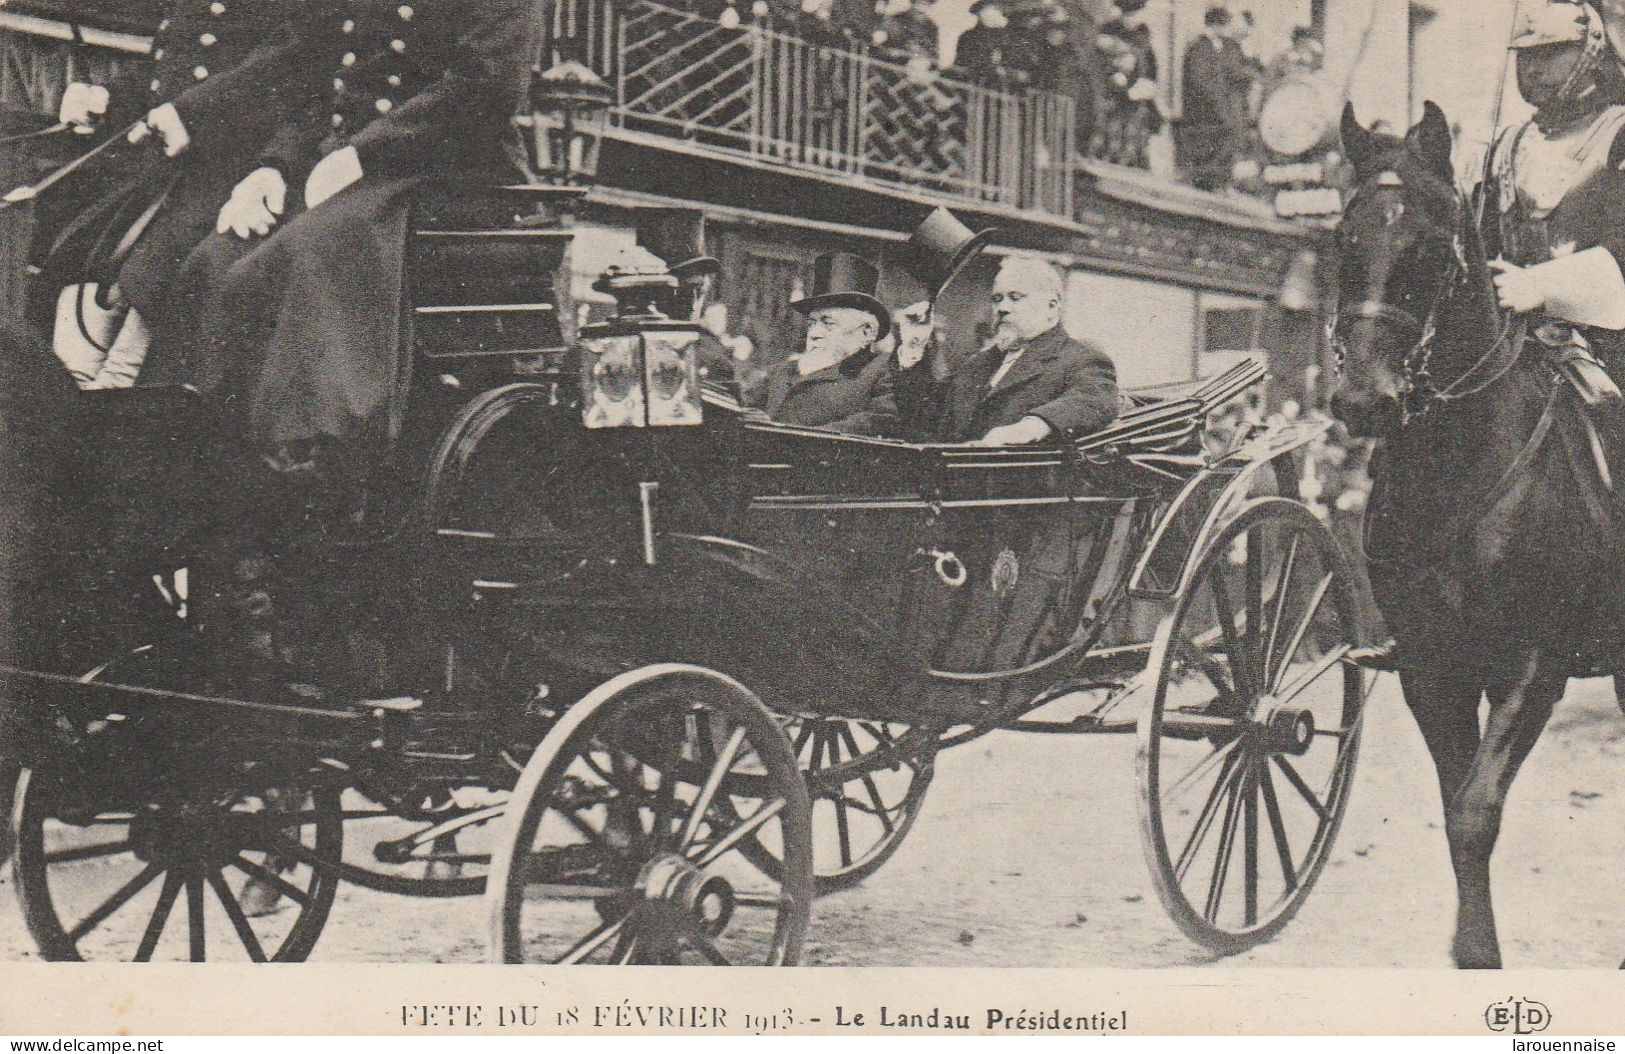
{"points": [[640, 375], [569, 115]]}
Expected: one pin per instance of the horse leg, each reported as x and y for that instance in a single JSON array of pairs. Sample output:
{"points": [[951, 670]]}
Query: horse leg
{"points": [[1518, 713], [1445, 705]]}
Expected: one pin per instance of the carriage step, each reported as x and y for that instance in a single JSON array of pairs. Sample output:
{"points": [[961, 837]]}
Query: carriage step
{"points": [[1085, 724], [497, 234]]}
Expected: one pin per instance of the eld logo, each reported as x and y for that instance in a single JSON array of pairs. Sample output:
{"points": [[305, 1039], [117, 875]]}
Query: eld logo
{"points": [[1520, 1016]]}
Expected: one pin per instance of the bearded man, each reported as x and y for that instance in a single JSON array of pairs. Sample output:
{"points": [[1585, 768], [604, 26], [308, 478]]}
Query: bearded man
{"points": [[838, 381], [1034, 382]]}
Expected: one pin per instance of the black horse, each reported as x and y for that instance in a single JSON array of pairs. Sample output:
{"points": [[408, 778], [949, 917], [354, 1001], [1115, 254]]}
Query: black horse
{"points": [[1492, 550]]}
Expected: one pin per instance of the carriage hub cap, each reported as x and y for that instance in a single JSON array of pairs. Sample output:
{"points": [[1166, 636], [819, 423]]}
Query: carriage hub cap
{"points": [[678, 894], [1289, 730]]}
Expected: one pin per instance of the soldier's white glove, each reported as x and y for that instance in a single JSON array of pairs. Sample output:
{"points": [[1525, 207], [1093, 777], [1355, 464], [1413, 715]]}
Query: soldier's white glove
{"points": [[82, 104], [255, 204], [1517, 288], [1027, 430], [166, 121], [335, 172]]}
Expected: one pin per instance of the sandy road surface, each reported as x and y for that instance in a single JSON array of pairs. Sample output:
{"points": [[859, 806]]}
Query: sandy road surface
{"points": [[1028, 854]]}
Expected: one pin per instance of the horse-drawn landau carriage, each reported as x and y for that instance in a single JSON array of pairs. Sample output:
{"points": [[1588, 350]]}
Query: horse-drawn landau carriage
{"points": [[673, 668]]}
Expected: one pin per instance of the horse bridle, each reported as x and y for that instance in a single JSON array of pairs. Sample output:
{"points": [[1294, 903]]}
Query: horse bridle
{"points": [[1418, 393]]}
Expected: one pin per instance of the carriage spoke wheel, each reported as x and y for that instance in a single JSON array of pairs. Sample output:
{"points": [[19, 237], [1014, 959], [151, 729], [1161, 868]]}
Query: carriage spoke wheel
{"points": [[624, 839], [867, 780], [1247, 751], [176, 876]]}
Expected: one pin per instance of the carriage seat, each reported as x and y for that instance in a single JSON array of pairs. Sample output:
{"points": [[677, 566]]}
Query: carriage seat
{"points": [[483, 264]]}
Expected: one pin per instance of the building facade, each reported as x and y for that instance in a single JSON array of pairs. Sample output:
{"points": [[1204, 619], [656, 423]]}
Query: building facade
{"points": [[792, 147]]}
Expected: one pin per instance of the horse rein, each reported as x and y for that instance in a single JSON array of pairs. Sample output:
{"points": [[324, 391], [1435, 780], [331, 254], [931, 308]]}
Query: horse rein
{"points": [[1416, 381]]}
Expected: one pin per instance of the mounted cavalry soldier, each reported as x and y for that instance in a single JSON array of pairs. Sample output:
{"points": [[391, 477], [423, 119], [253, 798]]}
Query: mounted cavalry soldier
{"points": [[304, 341], [1557, 186], [224, 75]]}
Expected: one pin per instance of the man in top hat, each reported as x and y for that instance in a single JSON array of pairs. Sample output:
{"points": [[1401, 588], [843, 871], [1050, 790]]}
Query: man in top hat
{"points": [[937, 252], [839, 381], [1557, 186], [677, 237], [1032, 383]]}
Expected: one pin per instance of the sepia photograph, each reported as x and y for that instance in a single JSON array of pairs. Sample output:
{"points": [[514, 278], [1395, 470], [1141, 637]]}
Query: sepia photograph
{"points": [[969, 484]]}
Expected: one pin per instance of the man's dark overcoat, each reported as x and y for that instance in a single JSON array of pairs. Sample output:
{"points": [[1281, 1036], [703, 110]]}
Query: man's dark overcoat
{"points": [[235, 71], [307, 330], [1071, 385], [854, 395]]}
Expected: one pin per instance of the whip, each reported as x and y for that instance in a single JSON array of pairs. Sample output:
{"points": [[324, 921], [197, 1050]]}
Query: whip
{"points": [[28, 192]]}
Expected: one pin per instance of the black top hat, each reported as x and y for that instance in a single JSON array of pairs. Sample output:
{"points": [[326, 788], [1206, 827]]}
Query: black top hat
{"points": [[677, 236], [941, 246], [846, 280]]}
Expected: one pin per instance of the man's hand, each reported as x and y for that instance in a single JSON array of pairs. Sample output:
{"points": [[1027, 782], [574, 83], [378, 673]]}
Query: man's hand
{"points": [[166, 122], [335, 172], [82, 104], [255, 204], [1027, 430], [1517, 288], [913, 333]]}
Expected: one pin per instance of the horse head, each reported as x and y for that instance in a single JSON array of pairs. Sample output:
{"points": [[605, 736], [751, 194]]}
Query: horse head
{"points": [[1399, 253]]}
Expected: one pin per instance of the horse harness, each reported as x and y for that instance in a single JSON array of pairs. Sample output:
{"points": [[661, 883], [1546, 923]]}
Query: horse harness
{"points": [[1572, 370]]}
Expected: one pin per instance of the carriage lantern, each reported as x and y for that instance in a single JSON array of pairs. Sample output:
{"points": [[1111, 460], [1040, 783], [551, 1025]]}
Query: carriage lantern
{"points": [[639, 369], [570, 113]]}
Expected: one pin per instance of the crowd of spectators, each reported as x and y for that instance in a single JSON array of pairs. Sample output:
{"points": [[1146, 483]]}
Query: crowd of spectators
{"points": [[1099, 54]]}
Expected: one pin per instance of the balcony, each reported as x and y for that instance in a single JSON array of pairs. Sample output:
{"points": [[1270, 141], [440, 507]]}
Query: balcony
{"points": [[756, 92]]}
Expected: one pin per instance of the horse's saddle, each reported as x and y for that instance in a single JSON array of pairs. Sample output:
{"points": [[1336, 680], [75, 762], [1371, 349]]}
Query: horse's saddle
{"points": [[1571, 358], [1594, 437]]}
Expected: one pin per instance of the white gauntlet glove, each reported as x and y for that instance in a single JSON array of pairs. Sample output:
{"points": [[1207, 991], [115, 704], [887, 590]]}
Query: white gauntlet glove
{"points": [[166, 122], [255, 204], [82, 104], [335, 172]]}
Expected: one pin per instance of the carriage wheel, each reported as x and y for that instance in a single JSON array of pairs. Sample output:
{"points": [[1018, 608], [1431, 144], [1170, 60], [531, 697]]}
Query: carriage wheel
{"points": [[424, 846], [866, 786], [1247, 751], [109, 884], [625, 835]]}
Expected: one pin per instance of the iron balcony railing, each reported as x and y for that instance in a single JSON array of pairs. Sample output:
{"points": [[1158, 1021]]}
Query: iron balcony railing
{"points": [[756, 91]]}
